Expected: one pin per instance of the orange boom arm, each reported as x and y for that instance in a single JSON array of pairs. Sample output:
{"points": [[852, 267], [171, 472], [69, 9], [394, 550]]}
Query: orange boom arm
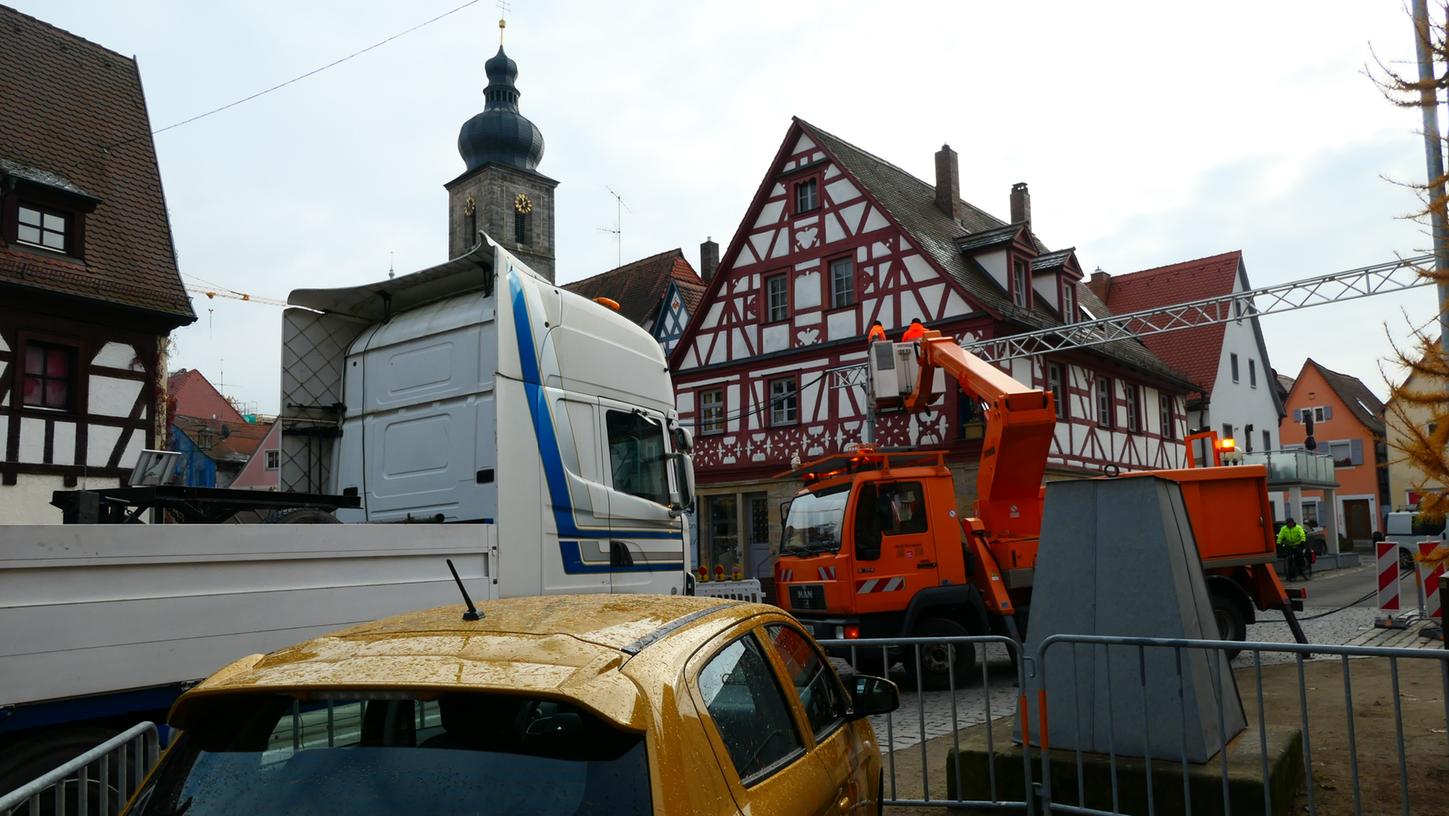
{"points": [[1019, 425]]}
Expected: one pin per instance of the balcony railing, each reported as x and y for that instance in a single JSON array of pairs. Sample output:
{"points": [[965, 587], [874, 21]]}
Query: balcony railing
{"points": [[1295, 467]]}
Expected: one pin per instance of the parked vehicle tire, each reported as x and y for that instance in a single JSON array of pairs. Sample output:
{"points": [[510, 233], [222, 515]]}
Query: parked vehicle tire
{"points": [[1230, 621], [1406, 560], [938, 662], [301, 515], [31, 759]]}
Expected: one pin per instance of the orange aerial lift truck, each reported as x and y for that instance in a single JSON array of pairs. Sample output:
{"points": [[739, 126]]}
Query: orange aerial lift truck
{"points": [[874, 545]]}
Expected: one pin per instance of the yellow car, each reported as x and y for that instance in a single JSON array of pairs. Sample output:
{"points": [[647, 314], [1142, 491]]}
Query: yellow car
{"points": [[588, 704]]}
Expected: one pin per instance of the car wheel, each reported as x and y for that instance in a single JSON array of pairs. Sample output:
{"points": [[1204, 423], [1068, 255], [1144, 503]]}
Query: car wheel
{"points": [[938, 662], [1230, 622], [1406, 560]]}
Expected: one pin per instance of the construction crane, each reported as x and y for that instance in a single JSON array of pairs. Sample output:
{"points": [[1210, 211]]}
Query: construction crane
{"points": [[1337, 287], [212, 294]]}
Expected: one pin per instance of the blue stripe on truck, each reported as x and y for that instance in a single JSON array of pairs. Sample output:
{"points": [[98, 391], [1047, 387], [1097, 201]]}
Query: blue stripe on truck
{"points": [[574, 563], [543, 431]]}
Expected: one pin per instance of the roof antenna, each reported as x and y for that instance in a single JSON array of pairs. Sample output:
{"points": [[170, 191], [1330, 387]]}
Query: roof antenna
{"points": [[472, 614], [618, 229]]}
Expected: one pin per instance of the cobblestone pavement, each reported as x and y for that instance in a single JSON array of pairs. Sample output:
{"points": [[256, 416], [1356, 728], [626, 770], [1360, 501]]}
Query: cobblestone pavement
{"points": [[924, 716]]}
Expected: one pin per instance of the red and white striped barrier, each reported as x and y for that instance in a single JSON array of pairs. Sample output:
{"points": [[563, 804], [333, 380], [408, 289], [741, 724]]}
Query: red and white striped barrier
{"points": [[1388, 562], [1429, 573]]}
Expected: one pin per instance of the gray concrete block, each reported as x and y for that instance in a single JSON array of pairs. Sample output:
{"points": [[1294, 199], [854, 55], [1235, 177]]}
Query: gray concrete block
{"points": [[1118, 558]]}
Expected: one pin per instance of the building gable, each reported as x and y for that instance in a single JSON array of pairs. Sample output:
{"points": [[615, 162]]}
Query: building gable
{"points": [[811, 213]]}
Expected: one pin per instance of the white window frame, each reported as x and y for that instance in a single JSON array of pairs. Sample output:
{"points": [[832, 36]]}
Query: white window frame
{"points": [[1056, 382], [708, 425], [842, 293], [784, 412], [784, 305]]}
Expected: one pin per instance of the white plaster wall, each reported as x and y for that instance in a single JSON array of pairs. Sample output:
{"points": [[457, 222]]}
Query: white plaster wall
{"points": [[1239, 402], [62, 450], [32, 440], [775, 338], [118, 355], [995, 265], [98, 446], [28, 500], [111, 396], [1045, 286]]}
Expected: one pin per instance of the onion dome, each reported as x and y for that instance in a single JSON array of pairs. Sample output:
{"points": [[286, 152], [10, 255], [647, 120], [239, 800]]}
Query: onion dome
{"points": [[500, 134]]}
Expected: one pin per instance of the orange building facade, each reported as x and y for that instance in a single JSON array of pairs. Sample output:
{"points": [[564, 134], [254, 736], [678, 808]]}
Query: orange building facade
{"points": [[1348, 424]]}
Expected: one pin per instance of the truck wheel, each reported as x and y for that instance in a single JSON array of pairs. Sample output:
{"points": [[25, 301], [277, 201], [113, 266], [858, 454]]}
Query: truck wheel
{"points": [[33, 758], [938, 662], [1230, 622], [301, 515]]}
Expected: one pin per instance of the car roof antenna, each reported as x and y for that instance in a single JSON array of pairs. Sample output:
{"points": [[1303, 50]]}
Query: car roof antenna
{"points": [[472, 614]]}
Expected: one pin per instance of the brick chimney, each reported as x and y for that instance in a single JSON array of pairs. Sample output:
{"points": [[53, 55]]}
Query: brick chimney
{"points": [[1020, 204], [948, 182], [1100, 284], [708, 259]]}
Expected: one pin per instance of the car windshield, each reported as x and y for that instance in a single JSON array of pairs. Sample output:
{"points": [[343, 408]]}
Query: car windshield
{"points": [[460, 753], [814, 522]]}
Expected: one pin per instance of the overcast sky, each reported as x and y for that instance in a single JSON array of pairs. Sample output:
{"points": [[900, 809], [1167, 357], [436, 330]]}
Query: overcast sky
{"points": [[1150, 133]]}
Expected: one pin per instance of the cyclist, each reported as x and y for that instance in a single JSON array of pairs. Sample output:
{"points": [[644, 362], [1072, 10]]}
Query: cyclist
{"points": [[1292, 539]]}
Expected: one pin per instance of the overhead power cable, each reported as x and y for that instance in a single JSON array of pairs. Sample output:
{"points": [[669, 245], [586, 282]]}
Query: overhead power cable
{"points": [[299, 77]]}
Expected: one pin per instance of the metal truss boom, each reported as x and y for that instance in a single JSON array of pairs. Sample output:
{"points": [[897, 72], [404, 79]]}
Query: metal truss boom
{"points": [[1365, 281]]}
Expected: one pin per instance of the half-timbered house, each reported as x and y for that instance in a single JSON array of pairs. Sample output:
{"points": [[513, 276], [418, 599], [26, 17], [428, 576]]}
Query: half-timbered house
{"points": [[837, 237], [89, 289]]}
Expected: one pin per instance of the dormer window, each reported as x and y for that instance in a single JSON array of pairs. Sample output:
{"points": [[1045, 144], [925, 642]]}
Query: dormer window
{"points": [[1020, 284], [1069, 301], [42, 211], [42, 228]]}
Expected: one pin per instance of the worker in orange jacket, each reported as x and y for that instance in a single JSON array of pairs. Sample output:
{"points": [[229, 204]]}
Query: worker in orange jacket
{"points": [[876, 333], [915, 331]]}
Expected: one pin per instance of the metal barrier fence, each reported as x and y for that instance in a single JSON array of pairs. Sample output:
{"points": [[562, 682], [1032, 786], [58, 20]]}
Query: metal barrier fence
{"points": [[877, 655], [1307, 705], [99, 781], [745, 589]]}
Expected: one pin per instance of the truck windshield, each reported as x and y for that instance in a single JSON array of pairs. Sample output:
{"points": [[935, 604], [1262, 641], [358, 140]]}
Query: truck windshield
{"points": [[460, 753], [814, 522]]}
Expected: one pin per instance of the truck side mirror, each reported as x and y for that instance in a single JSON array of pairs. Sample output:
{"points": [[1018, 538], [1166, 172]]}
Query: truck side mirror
{"points": [[684, 472]]}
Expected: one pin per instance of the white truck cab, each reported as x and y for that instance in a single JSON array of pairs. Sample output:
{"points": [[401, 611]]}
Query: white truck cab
{"points": [[478, 392]]}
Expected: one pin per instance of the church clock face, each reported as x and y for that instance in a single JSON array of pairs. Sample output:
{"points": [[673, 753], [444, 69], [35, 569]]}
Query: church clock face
{"points": [[522, 204]]}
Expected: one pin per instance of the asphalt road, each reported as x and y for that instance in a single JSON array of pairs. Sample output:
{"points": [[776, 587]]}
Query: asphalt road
{"points": [[1334, 588]]}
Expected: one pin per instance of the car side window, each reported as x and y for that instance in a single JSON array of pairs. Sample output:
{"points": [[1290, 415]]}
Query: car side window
{"points": [[814, 680], [748, 707]]}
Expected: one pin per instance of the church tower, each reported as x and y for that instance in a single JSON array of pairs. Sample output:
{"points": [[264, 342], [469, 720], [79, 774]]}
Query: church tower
{"points": [[501, 191]]}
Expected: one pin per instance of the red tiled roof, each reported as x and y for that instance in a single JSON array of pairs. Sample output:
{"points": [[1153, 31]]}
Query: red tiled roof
{"points": [[1194, 352], [639, 286], [195, 396], [75, 115], [229, 441]]}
